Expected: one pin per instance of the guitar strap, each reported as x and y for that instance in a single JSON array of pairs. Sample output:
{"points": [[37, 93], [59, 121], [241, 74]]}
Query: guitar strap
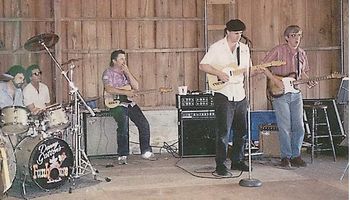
{"points": [[298, 66], [238, 55]]}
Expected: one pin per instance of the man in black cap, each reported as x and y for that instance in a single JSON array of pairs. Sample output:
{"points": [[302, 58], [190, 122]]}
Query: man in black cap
{"points": [[11, 91], [230, 99]]}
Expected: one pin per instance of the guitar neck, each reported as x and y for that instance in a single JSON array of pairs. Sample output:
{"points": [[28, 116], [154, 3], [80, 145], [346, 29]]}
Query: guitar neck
{"points": [[255, 67], [302, 81]]}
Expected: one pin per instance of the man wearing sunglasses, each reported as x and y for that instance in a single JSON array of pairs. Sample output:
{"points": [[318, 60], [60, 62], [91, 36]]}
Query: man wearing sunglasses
{"points": [[36, 94]]}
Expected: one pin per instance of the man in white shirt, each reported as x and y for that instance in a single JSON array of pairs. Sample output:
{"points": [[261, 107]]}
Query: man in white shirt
{"points": [[230, 100], [36, 94]]}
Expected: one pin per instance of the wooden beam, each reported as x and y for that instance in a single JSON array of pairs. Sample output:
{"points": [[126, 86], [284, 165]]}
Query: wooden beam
{"points": [[220, 1]]}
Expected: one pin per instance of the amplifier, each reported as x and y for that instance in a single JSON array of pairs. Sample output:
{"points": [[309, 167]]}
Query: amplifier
{"points": [[195, 101], [100, 134], [269, 141], [196, 133]]}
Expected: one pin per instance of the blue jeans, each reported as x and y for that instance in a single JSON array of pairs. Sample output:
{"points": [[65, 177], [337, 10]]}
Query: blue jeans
{"points": [[289, 115], [230, 114], [121, 115]]}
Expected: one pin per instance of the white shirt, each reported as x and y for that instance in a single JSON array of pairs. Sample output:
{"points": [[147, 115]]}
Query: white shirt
{"points": [[31, 95], [219, 55]]}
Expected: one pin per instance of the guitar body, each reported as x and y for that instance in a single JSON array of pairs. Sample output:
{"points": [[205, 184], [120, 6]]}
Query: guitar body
{"points": [[216, 84], [288, 83], [112, 101]]}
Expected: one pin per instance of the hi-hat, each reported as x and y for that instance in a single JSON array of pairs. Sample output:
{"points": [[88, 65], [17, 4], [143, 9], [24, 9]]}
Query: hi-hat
{"points": [[5, 77], [71, 61], [36, 43]]}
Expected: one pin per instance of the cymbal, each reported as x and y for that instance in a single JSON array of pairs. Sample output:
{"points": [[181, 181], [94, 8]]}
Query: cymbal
{"points": [[71, 61], [35, 43], [5, 77]]}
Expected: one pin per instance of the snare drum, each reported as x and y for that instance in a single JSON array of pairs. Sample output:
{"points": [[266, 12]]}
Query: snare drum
{"points": [[57, 119], [14, 120], [48, 163]]}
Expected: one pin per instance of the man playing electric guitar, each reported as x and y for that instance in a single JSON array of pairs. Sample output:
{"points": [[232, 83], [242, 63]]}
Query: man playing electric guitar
{"points": [[289, 106], [118, 80]]}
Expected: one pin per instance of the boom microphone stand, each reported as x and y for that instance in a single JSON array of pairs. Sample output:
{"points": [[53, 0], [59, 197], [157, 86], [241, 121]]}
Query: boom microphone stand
{"points": [[82, 163]]}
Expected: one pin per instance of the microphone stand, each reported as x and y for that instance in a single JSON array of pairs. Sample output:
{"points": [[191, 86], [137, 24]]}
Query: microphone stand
{"points": [[249, 182], [82, 162]]}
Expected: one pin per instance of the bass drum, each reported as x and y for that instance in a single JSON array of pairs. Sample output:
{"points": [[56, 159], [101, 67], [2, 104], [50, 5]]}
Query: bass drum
{"points": [[8, 164], [48, 163]]}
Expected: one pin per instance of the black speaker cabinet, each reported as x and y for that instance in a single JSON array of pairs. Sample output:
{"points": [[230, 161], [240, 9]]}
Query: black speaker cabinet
{"points": [[100, 134], [196, 132]]}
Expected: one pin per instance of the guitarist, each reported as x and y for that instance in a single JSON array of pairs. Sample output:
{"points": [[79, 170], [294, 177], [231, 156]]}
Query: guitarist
{"points": [[289, 107], [230, 101], [118, 80]]}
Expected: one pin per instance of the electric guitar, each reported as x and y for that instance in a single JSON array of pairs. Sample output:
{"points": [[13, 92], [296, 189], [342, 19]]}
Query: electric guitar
{"points": [[290, 83], [232, 70], [112, 101]]}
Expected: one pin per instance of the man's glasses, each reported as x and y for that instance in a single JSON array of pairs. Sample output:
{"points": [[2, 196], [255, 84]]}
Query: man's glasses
{"points": [[37, 73], [294, 35]]}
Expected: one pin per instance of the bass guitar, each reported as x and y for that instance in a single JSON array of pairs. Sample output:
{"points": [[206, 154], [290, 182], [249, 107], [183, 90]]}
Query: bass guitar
{"points": [[112, 101], [232, 70], [290, 83]]}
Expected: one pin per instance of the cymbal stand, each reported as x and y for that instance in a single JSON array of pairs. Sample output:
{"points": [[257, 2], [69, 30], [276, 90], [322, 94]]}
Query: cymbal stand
{"points": [[82, 164]]}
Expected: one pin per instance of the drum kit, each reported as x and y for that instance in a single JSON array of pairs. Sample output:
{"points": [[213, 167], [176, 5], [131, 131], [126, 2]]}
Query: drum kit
{"points": [[41, 154]]}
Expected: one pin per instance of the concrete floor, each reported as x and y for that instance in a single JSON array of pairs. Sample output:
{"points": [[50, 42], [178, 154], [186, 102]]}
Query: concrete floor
{"points": [[162, 179]]}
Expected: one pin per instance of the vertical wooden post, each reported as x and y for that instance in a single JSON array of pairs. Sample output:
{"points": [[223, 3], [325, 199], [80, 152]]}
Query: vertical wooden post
{"points": [[58, 52]]}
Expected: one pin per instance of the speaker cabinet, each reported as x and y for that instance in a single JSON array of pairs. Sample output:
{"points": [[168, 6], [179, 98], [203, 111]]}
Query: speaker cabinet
{"points": [[269, 143], [196, 133], [100, 134]]}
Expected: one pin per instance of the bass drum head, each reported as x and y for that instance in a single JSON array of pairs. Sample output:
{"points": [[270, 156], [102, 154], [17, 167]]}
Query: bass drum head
{"points": [[8, 171], [50, 161]]}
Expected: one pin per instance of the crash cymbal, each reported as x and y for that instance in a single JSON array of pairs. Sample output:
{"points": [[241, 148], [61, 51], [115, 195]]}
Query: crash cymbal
{"points": [[35, 43], [71, 61], [5, 77]]}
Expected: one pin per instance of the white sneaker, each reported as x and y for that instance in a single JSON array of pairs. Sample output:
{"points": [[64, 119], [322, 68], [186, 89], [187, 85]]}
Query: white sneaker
{"points": [[147, 155], [122, 160]]}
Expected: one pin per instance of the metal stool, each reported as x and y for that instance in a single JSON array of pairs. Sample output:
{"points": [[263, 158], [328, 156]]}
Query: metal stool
{"points": [[316, 122]]}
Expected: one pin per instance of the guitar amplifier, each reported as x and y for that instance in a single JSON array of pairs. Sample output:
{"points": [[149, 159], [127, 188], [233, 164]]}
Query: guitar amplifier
{"points": [[100, 134], [269, 140]]}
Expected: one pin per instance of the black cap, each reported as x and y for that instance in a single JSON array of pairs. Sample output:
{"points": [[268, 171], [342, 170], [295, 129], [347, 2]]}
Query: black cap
{"points": [[235, 25]]}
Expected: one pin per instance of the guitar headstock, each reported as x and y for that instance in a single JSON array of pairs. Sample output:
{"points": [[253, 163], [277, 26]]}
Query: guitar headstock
{"points": [[337, 75], [165, 90], [277, 63]]}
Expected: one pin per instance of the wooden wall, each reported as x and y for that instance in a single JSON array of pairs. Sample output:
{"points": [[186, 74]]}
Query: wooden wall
{"points": [[164, 39]]}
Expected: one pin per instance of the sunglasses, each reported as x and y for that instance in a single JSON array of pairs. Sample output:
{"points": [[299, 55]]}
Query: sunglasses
{"points": [[37, 73]]}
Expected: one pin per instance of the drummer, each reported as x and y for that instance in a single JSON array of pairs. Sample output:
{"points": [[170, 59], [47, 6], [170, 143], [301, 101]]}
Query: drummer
{"points": [[11, 91], [36, 94]]}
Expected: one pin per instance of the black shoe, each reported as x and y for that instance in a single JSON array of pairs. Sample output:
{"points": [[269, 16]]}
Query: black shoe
{"points": [[222, 171], [297, 162], [285, 163], [240, 165]]}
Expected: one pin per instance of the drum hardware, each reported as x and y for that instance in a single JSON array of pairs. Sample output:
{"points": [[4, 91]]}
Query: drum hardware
{"points": [[82, 164], [71, 62]]}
